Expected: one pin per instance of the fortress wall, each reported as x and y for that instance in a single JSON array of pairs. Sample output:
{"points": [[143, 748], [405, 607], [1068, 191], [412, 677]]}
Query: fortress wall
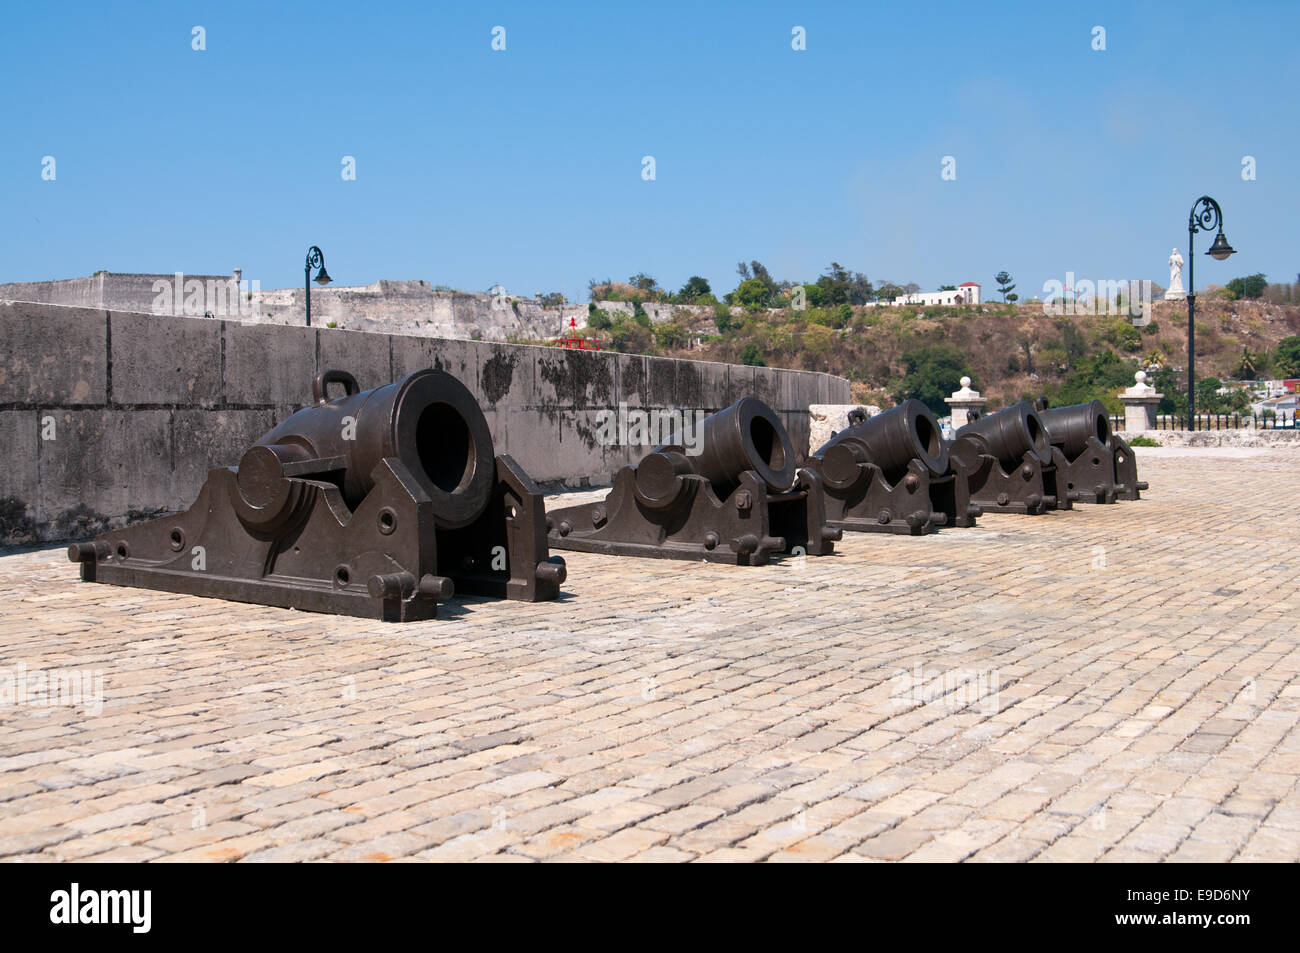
{"points": [[112, 416]]}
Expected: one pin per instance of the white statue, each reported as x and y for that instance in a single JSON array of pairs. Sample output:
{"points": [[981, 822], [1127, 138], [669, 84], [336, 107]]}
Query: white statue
{"points": [[1175, 292]]}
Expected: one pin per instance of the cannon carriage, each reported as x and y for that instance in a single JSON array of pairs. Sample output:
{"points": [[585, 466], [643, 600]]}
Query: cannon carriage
{"points": [[891, 474], [376, 503], [740, 500]]}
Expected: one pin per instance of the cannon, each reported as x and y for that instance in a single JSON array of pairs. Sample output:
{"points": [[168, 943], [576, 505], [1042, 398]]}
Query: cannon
{"points": [[737, 501], [891, 474], [1089, 457], [1006, 458], [377, 503]]}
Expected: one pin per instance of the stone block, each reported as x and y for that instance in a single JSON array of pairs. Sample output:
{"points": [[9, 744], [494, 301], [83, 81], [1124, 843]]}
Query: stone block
{"points": [[506, 375], [267, 366], [160, 359], [105, 467], [53, 355], [568, 379], [364, 355], [20, 432], [458, 358]]}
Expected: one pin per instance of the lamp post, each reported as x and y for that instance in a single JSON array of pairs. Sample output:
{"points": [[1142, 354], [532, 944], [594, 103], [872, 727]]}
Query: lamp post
{"points": [[1204, 216], [315, 259]]}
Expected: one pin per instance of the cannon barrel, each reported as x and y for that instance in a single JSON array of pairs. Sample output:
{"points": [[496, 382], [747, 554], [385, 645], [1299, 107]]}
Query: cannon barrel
{"points": [[1070, 427], [429, 420], [891, 440], [1009, 434], [748, 435]]}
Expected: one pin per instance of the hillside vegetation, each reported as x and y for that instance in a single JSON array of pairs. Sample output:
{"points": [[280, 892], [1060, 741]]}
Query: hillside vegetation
{"points": [[1011, 351]]}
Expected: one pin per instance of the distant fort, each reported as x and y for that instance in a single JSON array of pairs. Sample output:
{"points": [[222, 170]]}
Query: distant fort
{"points": [[392, 307]]}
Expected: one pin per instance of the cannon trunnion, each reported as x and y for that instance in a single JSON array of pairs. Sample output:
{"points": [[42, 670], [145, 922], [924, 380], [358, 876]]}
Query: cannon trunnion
{"points": [[891, 474], [378, 503], [737, 501]]}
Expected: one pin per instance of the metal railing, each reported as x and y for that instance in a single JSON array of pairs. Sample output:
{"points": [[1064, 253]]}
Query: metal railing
{"points": [[1278, 421]]}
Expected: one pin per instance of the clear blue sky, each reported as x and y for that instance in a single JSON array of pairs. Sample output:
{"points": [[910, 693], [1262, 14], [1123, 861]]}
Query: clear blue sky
{"points": [[523, 167]]}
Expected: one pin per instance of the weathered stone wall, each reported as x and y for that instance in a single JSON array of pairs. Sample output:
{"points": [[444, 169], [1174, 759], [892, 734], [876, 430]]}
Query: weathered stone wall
{"points": [[109, 417], [389, 307]]}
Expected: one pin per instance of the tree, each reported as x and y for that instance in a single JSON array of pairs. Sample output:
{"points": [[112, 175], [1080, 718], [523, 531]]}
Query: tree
{"points": [[1252, 286], [1005, 286], [1286, 356], [888, 291], [947, 287], [751, 294], [723, 318], [695, 287], [551, 299], [1208, 398], [752, 356], [755, 271], [669, 334], [932, 373], [840, 286]]}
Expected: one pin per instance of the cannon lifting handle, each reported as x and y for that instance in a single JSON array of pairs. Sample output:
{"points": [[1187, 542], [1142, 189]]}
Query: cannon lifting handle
{"points": [[325, 378]]}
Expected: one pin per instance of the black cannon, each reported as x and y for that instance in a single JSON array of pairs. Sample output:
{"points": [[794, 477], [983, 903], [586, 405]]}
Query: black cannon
{"points": [[737, 501], [378, 503], [1090, 458], [891, 474], [1006, 458]]}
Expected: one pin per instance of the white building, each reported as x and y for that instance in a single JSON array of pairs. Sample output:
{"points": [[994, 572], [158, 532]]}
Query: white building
{"points": [[968, 292]]}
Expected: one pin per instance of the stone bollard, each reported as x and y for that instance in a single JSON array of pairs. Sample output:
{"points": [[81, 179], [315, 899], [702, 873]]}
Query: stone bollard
{"points": [[1140, 402], [826, 420], [963, 402]]}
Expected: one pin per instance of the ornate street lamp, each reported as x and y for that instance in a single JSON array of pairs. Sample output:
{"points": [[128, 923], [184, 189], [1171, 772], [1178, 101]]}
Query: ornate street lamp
{"points": [[315, 259], [1205, 215]]}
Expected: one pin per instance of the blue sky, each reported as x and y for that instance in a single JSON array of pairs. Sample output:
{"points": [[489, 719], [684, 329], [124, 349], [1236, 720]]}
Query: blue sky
{"points": [[523, 167]]}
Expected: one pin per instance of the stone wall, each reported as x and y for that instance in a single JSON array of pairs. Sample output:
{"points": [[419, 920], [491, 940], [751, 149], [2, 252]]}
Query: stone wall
{"points": [[389, 307], [109, 416]]}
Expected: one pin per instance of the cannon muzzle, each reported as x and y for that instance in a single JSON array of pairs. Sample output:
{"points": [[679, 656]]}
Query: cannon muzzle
{"points": [[429, 420], [748, 435], [891, 441], [1008, 435], [1070, 427]]}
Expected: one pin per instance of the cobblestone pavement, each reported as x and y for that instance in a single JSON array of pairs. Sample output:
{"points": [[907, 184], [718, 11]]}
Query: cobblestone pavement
{"points": [[1116, 683]]}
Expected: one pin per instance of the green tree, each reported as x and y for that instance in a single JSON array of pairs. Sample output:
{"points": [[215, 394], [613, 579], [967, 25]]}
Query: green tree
{"points": [[752, 356], [1208, 398], [1286, 356], [551, 299], [932, 373], [669, 334], [643, 282], [1252, 286], [724, 319], [695, 287], [1005, 286], [752, 294], [1123, 335]]}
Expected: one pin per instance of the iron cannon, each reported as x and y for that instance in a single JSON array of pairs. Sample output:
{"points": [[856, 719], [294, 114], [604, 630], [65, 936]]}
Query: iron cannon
{"points": [[891, 474], [738, 500], [376, 503], [1007, 460], [1090, 458]]}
